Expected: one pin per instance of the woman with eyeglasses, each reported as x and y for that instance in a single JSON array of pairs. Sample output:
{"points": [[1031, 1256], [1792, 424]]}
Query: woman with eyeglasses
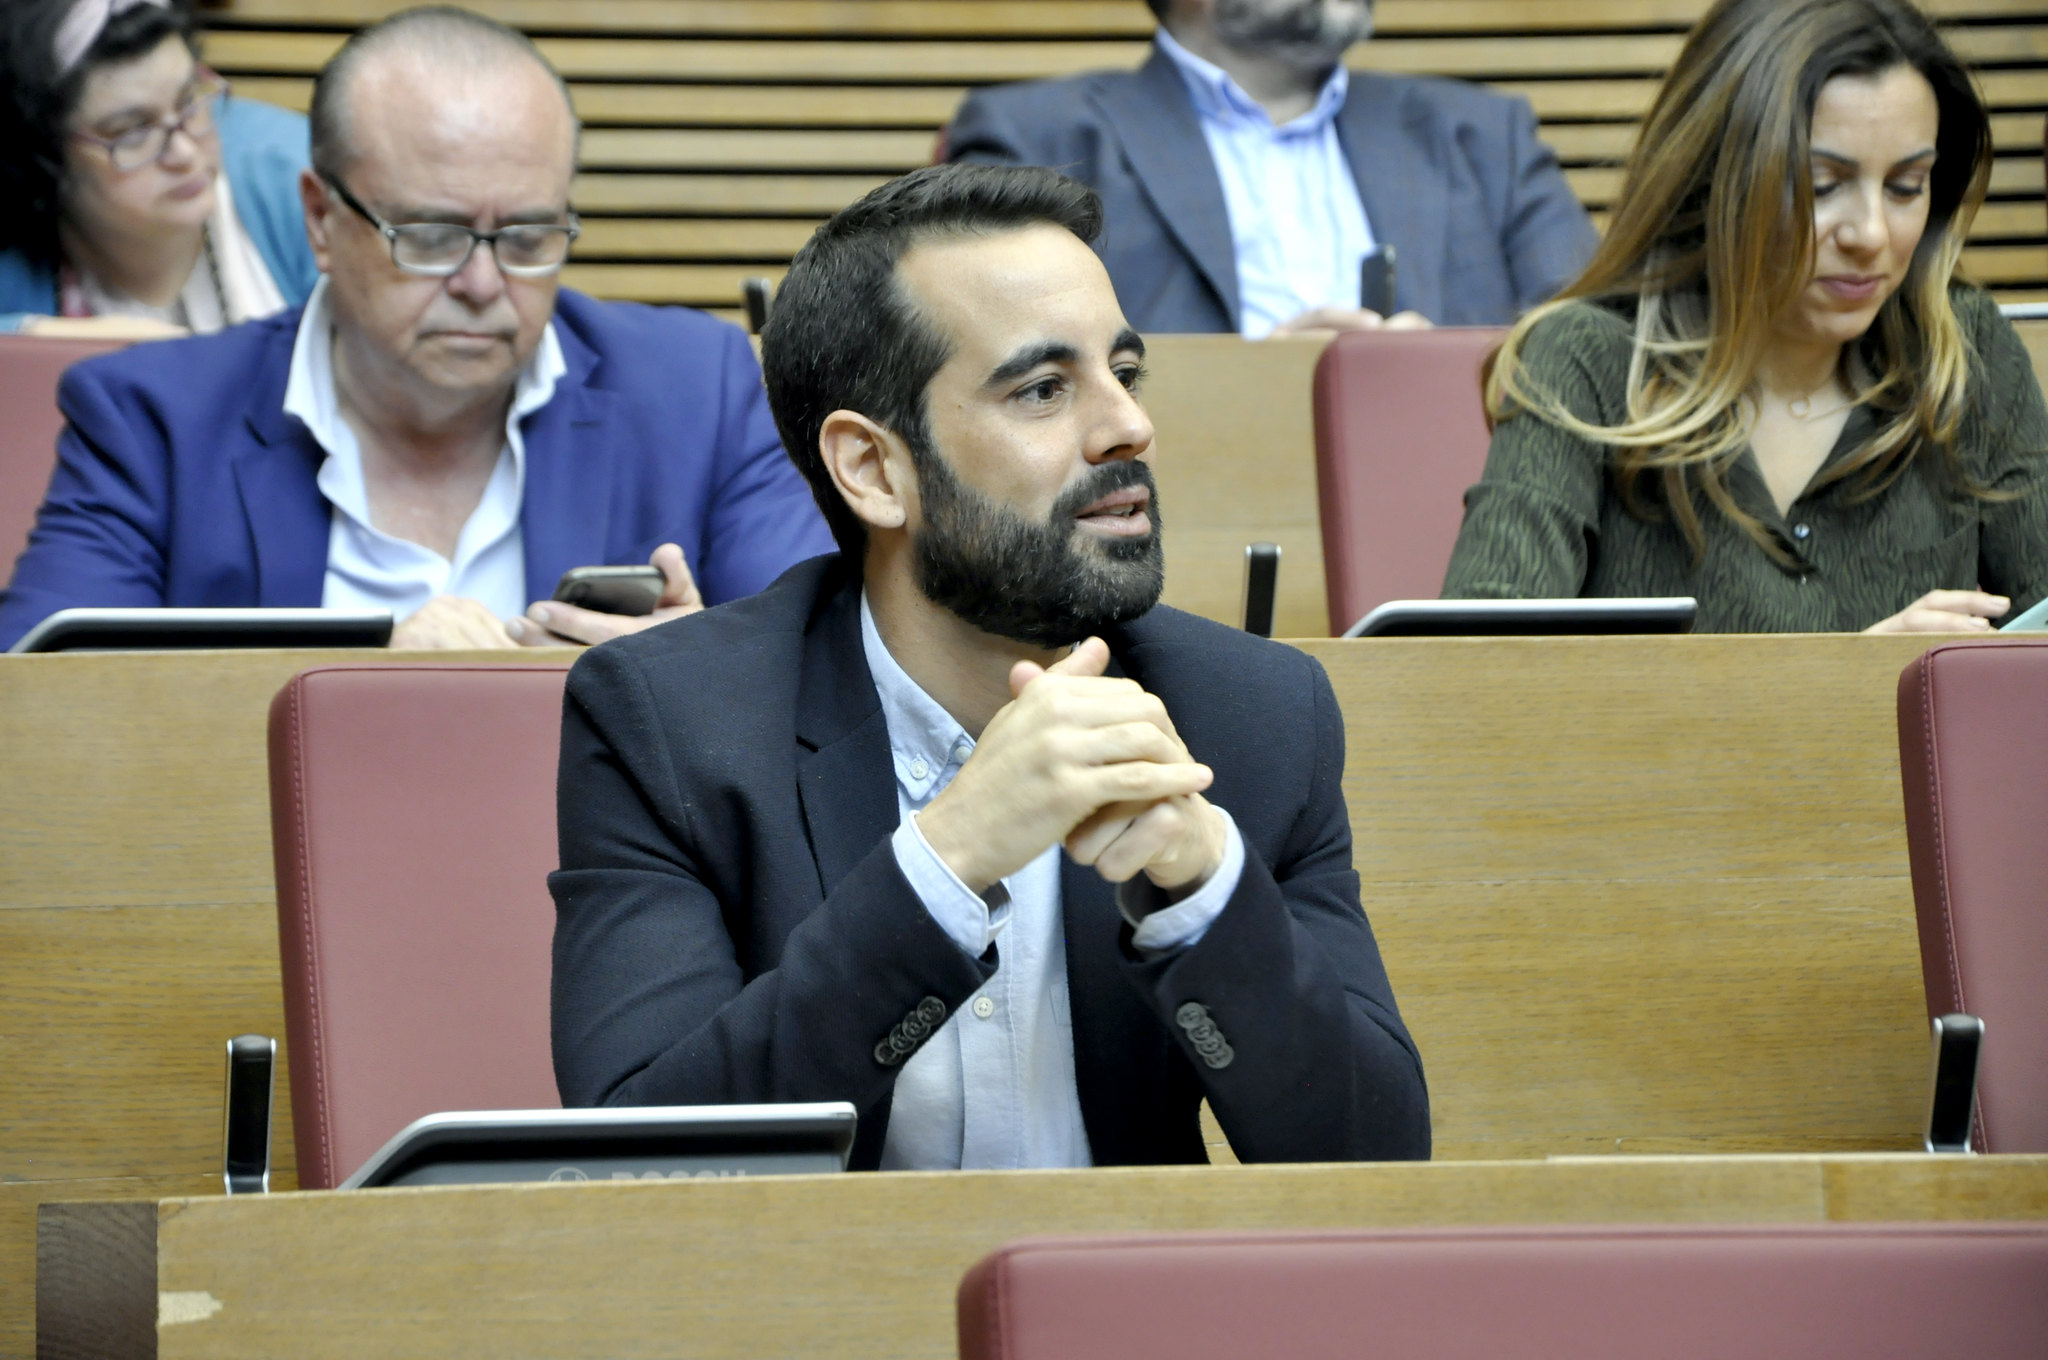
{"points": [[1770, 390], [136, 197]]}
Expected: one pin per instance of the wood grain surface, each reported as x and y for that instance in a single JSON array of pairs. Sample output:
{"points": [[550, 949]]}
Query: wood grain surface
{"points": [[96, 1280], [1642, 894], [866, 1266], [138, 925], [1234, 454]]}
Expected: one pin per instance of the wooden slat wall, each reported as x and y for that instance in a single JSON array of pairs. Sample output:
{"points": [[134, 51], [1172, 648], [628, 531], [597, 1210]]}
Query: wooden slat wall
{"points": [[722, 131]]}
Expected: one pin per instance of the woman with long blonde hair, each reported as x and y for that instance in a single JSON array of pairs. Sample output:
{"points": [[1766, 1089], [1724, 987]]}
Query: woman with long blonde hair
{"points": [[1768, 390]]}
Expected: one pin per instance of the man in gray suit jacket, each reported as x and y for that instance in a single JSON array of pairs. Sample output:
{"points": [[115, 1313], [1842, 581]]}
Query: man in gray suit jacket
{"points": [[1245, 174]]}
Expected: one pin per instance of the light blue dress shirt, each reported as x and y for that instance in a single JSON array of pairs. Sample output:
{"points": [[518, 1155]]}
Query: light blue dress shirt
{"points": [[370, 569], [994, 1087], [1296, 219]]}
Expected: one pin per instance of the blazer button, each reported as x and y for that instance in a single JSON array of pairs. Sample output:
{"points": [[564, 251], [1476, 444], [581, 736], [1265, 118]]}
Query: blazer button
{"points": [[1207, 1040], [911, 1031]]}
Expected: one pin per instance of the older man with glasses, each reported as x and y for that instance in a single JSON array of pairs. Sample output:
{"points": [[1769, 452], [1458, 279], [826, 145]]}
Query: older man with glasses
{"points": [[442, 430]]}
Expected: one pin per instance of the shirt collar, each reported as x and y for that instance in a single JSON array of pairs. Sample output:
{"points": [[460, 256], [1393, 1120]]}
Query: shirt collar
{"points": [[924, 740], [309, 385], [1220, 99]]}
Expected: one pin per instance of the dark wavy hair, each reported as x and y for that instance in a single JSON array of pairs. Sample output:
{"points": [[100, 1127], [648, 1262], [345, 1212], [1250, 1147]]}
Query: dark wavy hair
{"points": [[844, 336], [37, 102]]}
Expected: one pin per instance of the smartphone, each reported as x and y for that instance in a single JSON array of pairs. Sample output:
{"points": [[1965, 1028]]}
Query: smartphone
{"points": [[1952, 1085], [1261, 579], [612, 590], [1376, 281], [245, 1132]]}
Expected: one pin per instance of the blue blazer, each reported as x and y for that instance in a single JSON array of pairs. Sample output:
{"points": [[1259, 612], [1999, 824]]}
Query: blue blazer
{"points": [[1453, 175], [181, 481], [262, 150], [732, 926]]}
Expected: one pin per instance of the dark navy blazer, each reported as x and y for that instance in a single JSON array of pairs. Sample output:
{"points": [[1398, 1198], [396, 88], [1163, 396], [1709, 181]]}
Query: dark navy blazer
{"points": [[732, 925], [1453, 175], [180, 480]]}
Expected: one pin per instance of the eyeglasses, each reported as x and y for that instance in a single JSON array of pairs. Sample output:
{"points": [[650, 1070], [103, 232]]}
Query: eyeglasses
{"points": [[144, 143], [439, 249]]}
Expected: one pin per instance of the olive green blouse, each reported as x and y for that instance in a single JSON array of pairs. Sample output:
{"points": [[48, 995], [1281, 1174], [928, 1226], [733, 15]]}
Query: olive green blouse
{"points": [[1546, 520]]}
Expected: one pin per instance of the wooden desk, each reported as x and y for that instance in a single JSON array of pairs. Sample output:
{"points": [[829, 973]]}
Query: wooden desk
{"points": [[1235, 456], [847, 1266], [1686, 929], [1642, 894], [138, 923]]}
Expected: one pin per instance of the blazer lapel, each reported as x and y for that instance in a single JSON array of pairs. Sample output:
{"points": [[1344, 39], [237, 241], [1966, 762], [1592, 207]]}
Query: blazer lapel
{"points": [[844, 779], [1403, 193], [277, 478], [565, 514], [1162, 137]]}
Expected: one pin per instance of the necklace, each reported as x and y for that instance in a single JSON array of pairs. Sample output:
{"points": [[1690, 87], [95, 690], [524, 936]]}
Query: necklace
{"points": [[1802, 408]]}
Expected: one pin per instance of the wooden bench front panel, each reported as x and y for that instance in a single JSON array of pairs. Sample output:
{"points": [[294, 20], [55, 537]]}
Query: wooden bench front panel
{"points": [[1635, 895], [859, 1267]]}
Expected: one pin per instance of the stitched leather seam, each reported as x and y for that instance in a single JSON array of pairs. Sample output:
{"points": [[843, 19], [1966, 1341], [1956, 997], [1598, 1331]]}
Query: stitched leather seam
{"points": [[1948, 933], [996, 1313], [315, 1034]]}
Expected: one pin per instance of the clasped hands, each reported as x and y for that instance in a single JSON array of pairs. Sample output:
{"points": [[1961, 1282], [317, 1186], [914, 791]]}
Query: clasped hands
{"points": [[450, 621], [1084, 759]]}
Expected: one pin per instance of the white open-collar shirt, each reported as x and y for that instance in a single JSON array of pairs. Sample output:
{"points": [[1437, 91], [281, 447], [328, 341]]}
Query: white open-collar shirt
{"points": [[370, 569]]}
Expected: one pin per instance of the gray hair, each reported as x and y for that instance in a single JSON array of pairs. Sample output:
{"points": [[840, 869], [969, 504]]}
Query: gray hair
{"points": [[457, 37]]}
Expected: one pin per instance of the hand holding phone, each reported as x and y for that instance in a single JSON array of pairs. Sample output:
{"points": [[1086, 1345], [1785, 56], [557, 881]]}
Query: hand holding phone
{"points": [[581, 612]]}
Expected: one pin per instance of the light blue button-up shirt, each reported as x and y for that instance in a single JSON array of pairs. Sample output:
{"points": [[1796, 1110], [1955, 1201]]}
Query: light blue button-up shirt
{"points": [[994, 1087], [1296, 219]]}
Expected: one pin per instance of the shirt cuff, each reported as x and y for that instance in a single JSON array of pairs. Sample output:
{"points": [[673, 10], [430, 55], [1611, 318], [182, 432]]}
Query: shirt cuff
{"points": [[1188, 920], [971, 919]]}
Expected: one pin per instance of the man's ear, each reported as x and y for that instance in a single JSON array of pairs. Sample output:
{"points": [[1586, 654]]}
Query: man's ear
{"points": [[872, 468], [313, 198]]}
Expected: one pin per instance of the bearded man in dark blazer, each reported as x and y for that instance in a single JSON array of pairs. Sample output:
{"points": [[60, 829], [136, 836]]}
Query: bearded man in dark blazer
{"points": [[1246, 173], [959, 825]]}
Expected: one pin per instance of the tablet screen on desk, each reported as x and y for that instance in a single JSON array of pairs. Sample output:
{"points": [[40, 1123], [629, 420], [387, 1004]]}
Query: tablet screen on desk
{"points": [[158, 630], [662, 1142], [2034, 620], [1525, 618]]}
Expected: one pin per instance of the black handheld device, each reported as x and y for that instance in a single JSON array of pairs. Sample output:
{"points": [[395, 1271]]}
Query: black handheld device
{"points": [[612, 590], [1376, 281], [1952, 1085], [245, 1134], [1261, 580], [755, 293]]}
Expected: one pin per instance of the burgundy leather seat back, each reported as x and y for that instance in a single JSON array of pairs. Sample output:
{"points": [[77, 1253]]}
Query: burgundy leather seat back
{"points": [[1973, 752], [1868, 1291], [1400, 434], [30, 366], [413, 817]]}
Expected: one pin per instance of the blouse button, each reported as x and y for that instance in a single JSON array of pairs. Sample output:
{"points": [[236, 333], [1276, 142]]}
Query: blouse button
{"points": [[1802, 532]]}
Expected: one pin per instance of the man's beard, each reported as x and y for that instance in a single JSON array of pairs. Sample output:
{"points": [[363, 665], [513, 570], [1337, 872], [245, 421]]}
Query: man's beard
{"points": [[1304, 34], [1049, 583]]}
